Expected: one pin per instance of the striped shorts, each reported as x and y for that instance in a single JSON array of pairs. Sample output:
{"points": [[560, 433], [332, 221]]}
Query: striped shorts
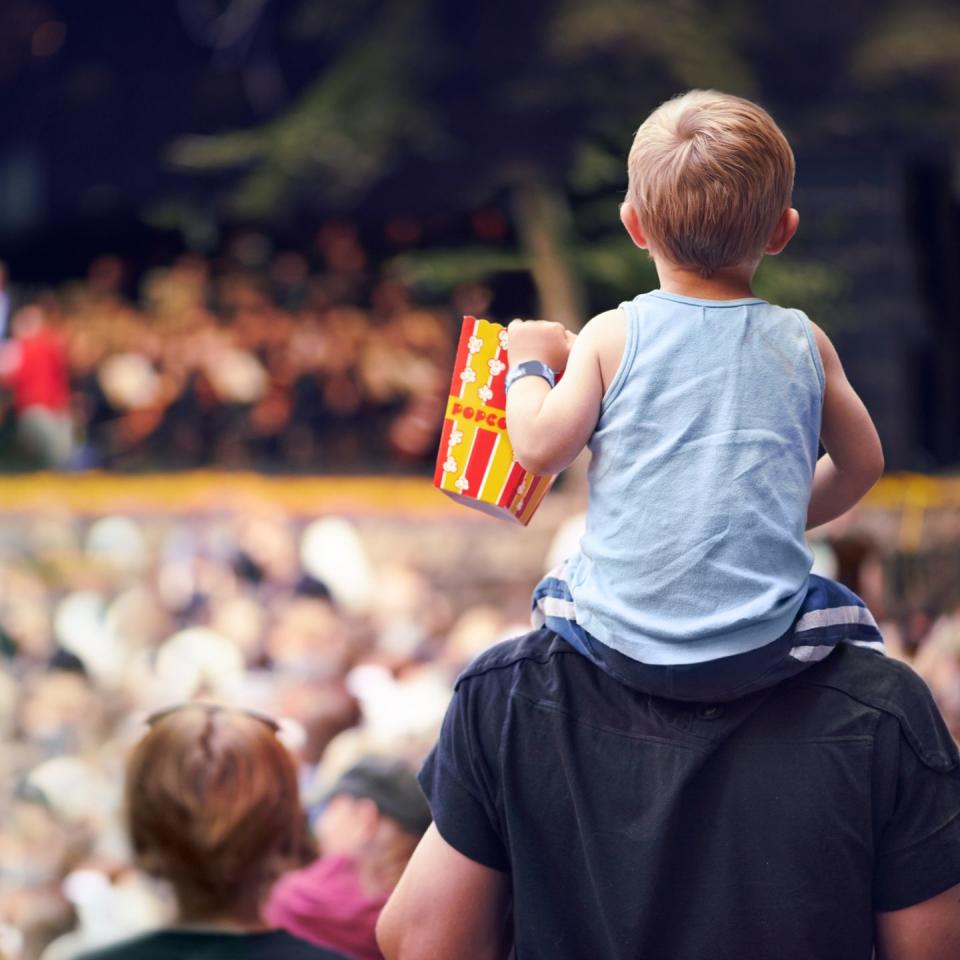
{"points": [[830, 614]]}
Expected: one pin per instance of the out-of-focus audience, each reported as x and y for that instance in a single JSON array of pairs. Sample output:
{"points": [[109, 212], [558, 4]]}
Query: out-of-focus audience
{"points": [[246, 359], [212, 807], [104, 620], [369, 825]]}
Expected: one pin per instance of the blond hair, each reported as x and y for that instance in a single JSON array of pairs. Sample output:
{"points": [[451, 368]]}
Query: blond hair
{"points": [[709, 176]]}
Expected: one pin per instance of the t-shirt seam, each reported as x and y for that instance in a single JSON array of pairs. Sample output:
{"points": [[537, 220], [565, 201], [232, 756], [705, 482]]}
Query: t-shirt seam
{"points": [[448, 770], [897, 851], [696, 747], [626, 361], [882, 705], [815, 358], [470, 673], [455, 841], [851, 738], [708, 304], [455, 777], [547, 705]]}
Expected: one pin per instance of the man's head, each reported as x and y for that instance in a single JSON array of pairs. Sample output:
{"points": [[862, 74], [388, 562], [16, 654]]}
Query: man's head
{"points": [[710, 182], [28, 321], [372, 794], [375, 815]]}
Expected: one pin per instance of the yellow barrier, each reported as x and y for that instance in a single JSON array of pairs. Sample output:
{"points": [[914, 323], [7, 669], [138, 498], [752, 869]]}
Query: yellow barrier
{"points": [[910, 495], [97, 493]]}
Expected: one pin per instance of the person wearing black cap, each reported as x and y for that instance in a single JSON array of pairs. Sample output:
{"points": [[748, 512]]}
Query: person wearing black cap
{"points": [[371, 822]]}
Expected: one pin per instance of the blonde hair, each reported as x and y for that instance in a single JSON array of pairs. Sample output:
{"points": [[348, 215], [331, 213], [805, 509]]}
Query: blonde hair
{"points": [[709, 176]]}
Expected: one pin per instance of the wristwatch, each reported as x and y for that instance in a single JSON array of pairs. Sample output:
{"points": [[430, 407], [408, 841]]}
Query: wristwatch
{"points": [[530, 368]]}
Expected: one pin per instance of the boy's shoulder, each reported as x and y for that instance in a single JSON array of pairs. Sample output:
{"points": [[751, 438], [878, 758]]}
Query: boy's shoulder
{"points": [[604, 324]]}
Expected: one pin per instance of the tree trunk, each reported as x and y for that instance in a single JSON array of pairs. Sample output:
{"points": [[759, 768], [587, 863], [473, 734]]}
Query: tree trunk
{"points": [[545, 227]]}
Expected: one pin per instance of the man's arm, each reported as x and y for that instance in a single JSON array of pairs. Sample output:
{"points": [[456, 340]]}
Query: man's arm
{"points": [[854, 458], [925, 931], [548, 428], [445, 906]]}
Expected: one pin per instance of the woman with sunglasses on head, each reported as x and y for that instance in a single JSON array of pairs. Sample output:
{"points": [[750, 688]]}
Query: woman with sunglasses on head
{"points": [[213, 808]]}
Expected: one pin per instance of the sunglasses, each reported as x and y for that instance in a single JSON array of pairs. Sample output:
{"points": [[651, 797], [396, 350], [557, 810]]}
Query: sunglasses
{"points": [[211, 708]]}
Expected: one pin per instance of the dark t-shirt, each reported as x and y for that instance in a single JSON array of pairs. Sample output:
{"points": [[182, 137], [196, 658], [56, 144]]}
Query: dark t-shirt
{"points": [[214, 945], [635, 827]]}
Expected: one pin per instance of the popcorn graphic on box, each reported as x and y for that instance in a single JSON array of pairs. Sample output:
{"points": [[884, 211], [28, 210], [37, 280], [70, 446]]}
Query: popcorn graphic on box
{"points": [[475, 463]]}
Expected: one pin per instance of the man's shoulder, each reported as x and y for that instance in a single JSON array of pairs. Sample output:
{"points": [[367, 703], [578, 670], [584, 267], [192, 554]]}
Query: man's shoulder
{"points": [[540, 648], [890, 687], [852, 681]]}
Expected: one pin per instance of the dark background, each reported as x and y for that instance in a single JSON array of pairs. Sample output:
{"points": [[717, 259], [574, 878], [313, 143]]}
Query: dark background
{"points": [[441, 114]]}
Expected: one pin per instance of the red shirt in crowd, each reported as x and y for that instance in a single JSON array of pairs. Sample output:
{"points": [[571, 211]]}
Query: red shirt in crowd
{"points": [[39, 375], [324, 903]]}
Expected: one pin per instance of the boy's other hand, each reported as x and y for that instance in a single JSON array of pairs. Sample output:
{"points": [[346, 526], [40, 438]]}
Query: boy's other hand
{"points": [[539, 340]]}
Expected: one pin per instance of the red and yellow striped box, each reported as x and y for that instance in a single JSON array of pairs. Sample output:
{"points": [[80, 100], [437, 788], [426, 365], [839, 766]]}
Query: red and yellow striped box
{"points": [[475, 463]]}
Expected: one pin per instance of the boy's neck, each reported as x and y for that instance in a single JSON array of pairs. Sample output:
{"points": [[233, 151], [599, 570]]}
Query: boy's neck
{"points": [[732, 283]]}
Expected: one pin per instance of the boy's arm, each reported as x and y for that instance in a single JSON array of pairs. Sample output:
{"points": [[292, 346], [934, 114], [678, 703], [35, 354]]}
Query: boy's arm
{"points": [[854, 458], [548, 428]]}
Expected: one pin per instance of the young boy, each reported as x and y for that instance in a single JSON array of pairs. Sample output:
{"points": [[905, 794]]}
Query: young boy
{"points": [[704, 407]]}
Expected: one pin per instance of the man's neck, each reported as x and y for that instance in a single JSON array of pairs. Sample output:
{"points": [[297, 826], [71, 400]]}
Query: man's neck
{"points": [[731, 283]]}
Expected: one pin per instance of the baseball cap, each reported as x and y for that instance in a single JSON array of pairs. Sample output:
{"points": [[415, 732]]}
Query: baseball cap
{"points": [[392, 786]]}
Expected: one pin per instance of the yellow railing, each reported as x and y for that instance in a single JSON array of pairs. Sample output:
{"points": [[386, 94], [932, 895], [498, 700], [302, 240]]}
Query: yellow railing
{"points": [[911, 496], [96, 493]]}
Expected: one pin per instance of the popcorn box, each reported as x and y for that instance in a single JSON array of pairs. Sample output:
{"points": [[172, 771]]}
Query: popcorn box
{"points": [[475, 463]]}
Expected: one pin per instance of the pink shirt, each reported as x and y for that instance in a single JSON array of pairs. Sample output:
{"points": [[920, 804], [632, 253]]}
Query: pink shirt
{"points": [[323, 903]]}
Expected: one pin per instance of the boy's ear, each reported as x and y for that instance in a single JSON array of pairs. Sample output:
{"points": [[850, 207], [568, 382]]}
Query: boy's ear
{"points": [[631, 222], [783, 232]]}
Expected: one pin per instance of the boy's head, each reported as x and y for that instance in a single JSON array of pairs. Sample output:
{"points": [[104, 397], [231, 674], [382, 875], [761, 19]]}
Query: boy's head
{"points": [[710, 176]]}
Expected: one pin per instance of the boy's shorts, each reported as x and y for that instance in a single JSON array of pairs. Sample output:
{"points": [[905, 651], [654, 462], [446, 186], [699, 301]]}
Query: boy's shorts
{"points": [[830, 614]]}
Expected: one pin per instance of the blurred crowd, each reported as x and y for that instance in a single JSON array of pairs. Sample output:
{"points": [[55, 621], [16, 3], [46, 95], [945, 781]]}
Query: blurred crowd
{"points": [[106, 619], [252, 358]]}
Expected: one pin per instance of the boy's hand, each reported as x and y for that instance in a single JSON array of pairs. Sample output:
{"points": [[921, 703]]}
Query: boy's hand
{"points": [[539, 340]]}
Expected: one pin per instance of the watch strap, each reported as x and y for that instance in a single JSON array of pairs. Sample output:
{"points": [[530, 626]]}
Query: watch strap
{"points": [[530, 368]]}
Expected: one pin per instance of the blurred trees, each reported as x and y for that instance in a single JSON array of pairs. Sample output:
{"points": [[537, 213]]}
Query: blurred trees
{"points": [[537, 102]]}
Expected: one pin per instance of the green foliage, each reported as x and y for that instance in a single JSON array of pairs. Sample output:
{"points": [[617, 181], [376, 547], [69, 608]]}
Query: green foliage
{"points": [[814, 287], [911, 41], [694, 43], [595, 167], [440, 271], [402, 82], [614, 269], [348, 130]]}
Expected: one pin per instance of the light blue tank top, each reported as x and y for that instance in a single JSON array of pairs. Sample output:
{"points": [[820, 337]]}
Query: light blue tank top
{"points": [[703, 459]]}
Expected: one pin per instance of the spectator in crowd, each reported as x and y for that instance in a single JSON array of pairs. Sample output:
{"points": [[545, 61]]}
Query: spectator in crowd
{"points": [[103, 619], [938, 662], [251, 359], [817, 819], [370, 824], [35, 366], [352, 633], [213, 808]]}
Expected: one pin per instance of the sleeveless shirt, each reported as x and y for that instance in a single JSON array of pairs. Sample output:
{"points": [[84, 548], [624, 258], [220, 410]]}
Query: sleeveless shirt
{"points": [[699, 482]]}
